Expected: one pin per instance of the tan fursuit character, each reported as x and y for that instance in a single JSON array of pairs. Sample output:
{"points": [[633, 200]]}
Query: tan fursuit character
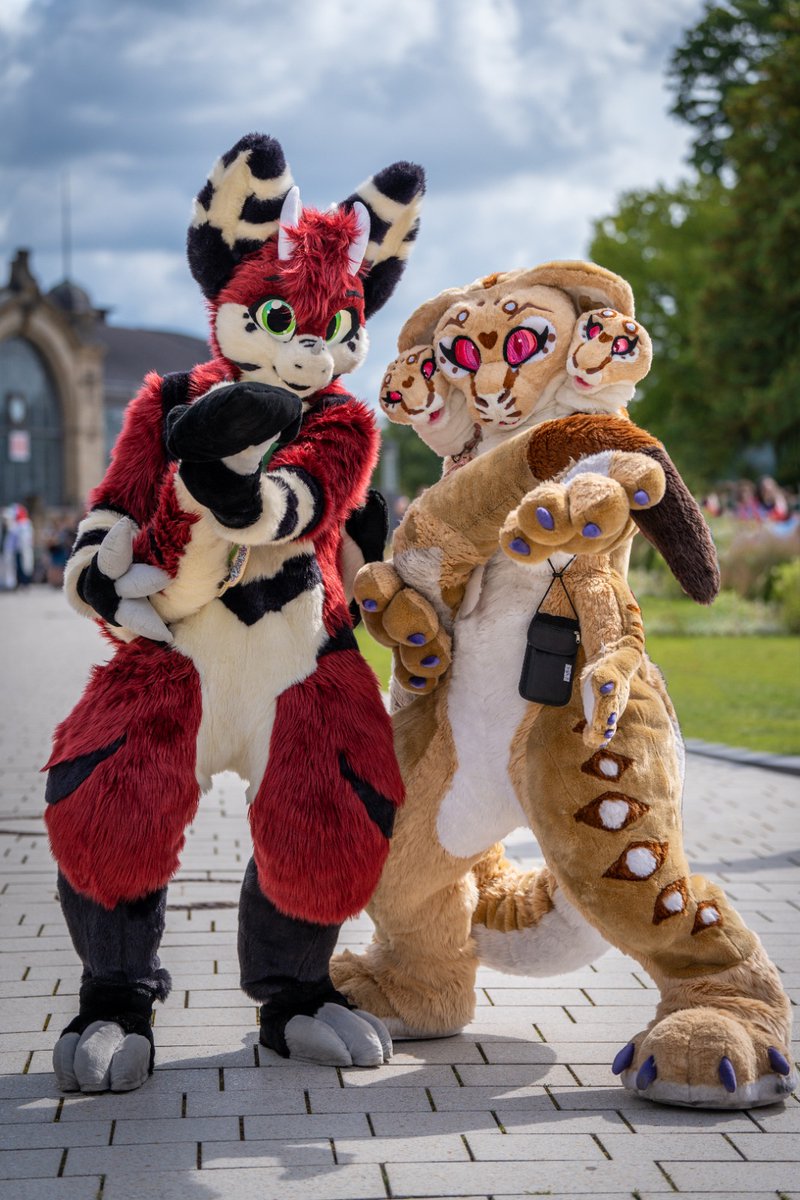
{"points": [[479, 760]]}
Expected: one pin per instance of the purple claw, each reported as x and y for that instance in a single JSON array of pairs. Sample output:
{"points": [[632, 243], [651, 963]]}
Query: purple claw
{"points": [[370, 605], [520, 546], [606, 689], [727, 1075], [431, 661], [612, 718], [545, 518], [648, 1072], [417, 639], [417, 681], [641, 497], [609, 733], [778, 1062], [623, 1059], [591, 530]]}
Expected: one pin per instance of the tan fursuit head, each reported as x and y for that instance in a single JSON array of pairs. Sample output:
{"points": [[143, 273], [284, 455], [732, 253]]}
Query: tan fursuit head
{"points": [[599, 779]]}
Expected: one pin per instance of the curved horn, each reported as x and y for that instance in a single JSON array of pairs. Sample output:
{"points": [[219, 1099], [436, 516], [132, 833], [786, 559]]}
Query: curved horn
{"points": [[290, 215], [358, 247]]}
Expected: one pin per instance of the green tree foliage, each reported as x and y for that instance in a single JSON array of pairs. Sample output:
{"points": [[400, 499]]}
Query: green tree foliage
{"points": [[715, 264], [721, 56], [417, 466]]}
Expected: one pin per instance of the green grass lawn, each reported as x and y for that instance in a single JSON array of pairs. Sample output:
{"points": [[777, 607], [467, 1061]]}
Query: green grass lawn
{"points": [[743, 691]]}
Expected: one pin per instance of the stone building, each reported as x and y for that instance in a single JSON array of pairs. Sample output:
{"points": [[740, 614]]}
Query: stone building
{"points": [[65, 378]]}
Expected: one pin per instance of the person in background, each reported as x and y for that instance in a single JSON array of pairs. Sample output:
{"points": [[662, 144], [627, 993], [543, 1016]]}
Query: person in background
{"points": [[772, 501]]}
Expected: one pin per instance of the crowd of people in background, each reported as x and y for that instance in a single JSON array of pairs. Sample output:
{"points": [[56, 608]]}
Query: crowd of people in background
{"points": [[749, 501], [32, 553], [38, 553]]}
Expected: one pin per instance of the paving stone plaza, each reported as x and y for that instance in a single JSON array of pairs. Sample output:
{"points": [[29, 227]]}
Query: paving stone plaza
{"points": [[523, 1104]]}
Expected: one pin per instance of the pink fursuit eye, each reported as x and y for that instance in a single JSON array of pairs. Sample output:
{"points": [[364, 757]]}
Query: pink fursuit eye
{"points": [[427, 368], [521, 344], [593, 329], [621, 345], [466, 354]]}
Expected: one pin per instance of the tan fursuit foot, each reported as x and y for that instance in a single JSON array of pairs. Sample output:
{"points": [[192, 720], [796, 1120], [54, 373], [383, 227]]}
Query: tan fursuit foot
{"points": [[718, 1041], [409, 1010]]}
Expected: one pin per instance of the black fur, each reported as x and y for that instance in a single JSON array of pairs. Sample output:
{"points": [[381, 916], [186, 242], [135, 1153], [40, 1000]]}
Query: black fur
{"points": [[230, 419], [96, 589], [65, 777], [250, 601], [379, 809]]}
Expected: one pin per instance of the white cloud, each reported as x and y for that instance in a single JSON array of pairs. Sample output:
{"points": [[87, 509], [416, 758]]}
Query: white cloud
{"points": [[529, 118]]}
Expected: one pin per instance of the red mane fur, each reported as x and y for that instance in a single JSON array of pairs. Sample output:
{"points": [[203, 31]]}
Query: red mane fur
{"points": [[316, 280]]}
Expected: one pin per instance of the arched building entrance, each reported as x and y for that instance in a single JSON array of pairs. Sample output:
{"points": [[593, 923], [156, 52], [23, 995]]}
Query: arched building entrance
{"points": [[31, 428]]}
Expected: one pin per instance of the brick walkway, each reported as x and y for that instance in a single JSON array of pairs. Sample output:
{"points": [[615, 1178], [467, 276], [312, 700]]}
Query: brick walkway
{"points": [[524, 1104]]}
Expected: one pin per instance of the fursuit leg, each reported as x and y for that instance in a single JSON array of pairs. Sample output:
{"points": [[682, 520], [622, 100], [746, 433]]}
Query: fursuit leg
{"points": [[284, 966], [109, 1045], [321, 821], [609, 824], [121, 790]]}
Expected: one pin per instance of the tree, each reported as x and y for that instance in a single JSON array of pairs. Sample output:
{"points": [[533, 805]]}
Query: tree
{"points": [[417, 466], [720, 57], [715, 263]]}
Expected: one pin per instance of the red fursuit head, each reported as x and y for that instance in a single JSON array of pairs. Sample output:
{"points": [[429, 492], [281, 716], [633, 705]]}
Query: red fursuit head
{"points": [[316, 280]]}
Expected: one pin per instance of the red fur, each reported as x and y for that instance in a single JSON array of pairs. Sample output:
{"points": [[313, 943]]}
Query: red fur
{"points": [[318, 853], [163, 542], [316, 280], [119, 835], [133, 481]]}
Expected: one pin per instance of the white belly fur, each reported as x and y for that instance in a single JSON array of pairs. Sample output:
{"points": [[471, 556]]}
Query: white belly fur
{"points": [[244, 668], [485, 707]]}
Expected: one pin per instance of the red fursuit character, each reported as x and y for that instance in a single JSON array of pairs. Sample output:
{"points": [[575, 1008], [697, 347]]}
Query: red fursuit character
{"points": [[212, 552]]}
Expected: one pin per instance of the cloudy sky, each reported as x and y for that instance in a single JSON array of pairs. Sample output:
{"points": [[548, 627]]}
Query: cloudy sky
{"points": [[529, 117]]}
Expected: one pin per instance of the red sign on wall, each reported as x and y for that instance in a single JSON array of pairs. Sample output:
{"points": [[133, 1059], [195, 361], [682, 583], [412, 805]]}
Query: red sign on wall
{"points": [[19, 446]]}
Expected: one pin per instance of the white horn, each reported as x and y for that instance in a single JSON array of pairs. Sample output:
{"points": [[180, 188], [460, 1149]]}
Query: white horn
{"points": [[358, 247], [290, 215]]}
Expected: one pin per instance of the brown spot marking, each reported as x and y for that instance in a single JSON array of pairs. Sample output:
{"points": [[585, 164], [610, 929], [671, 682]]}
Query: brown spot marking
{"points": [[622, 868], [592, 814], [579, 728], [633, 608], [660, 910], [490, 280], [592, 765], [713, 921], [487, 339]]}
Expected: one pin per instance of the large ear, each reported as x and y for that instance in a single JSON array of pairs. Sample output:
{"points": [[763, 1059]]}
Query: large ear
{"points": [[675, 526], [392, 199], [587, 284], [419, 327], [237, 210]]}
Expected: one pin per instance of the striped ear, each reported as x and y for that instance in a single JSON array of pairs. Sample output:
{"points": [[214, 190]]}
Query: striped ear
{"points": [[237, 210], [392, 199]]}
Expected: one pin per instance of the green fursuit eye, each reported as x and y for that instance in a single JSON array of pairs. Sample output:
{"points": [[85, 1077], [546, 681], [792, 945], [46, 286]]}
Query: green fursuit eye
{"points": [[277, 317], [339, 325]]}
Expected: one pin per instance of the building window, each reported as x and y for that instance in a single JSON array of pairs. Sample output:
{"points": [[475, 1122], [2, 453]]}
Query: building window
{"points": [[31, 449]]}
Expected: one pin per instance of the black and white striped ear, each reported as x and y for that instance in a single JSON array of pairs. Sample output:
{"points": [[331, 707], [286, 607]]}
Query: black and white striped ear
{"points": [[237, 210], [392, 199]]}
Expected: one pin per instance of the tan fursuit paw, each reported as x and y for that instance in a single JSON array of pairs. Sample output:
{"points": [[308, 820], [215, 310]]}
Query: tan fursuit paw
{"points": [[587, 512], [409, 1010], [605, 687], [720, 1041], [397, 616]]}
